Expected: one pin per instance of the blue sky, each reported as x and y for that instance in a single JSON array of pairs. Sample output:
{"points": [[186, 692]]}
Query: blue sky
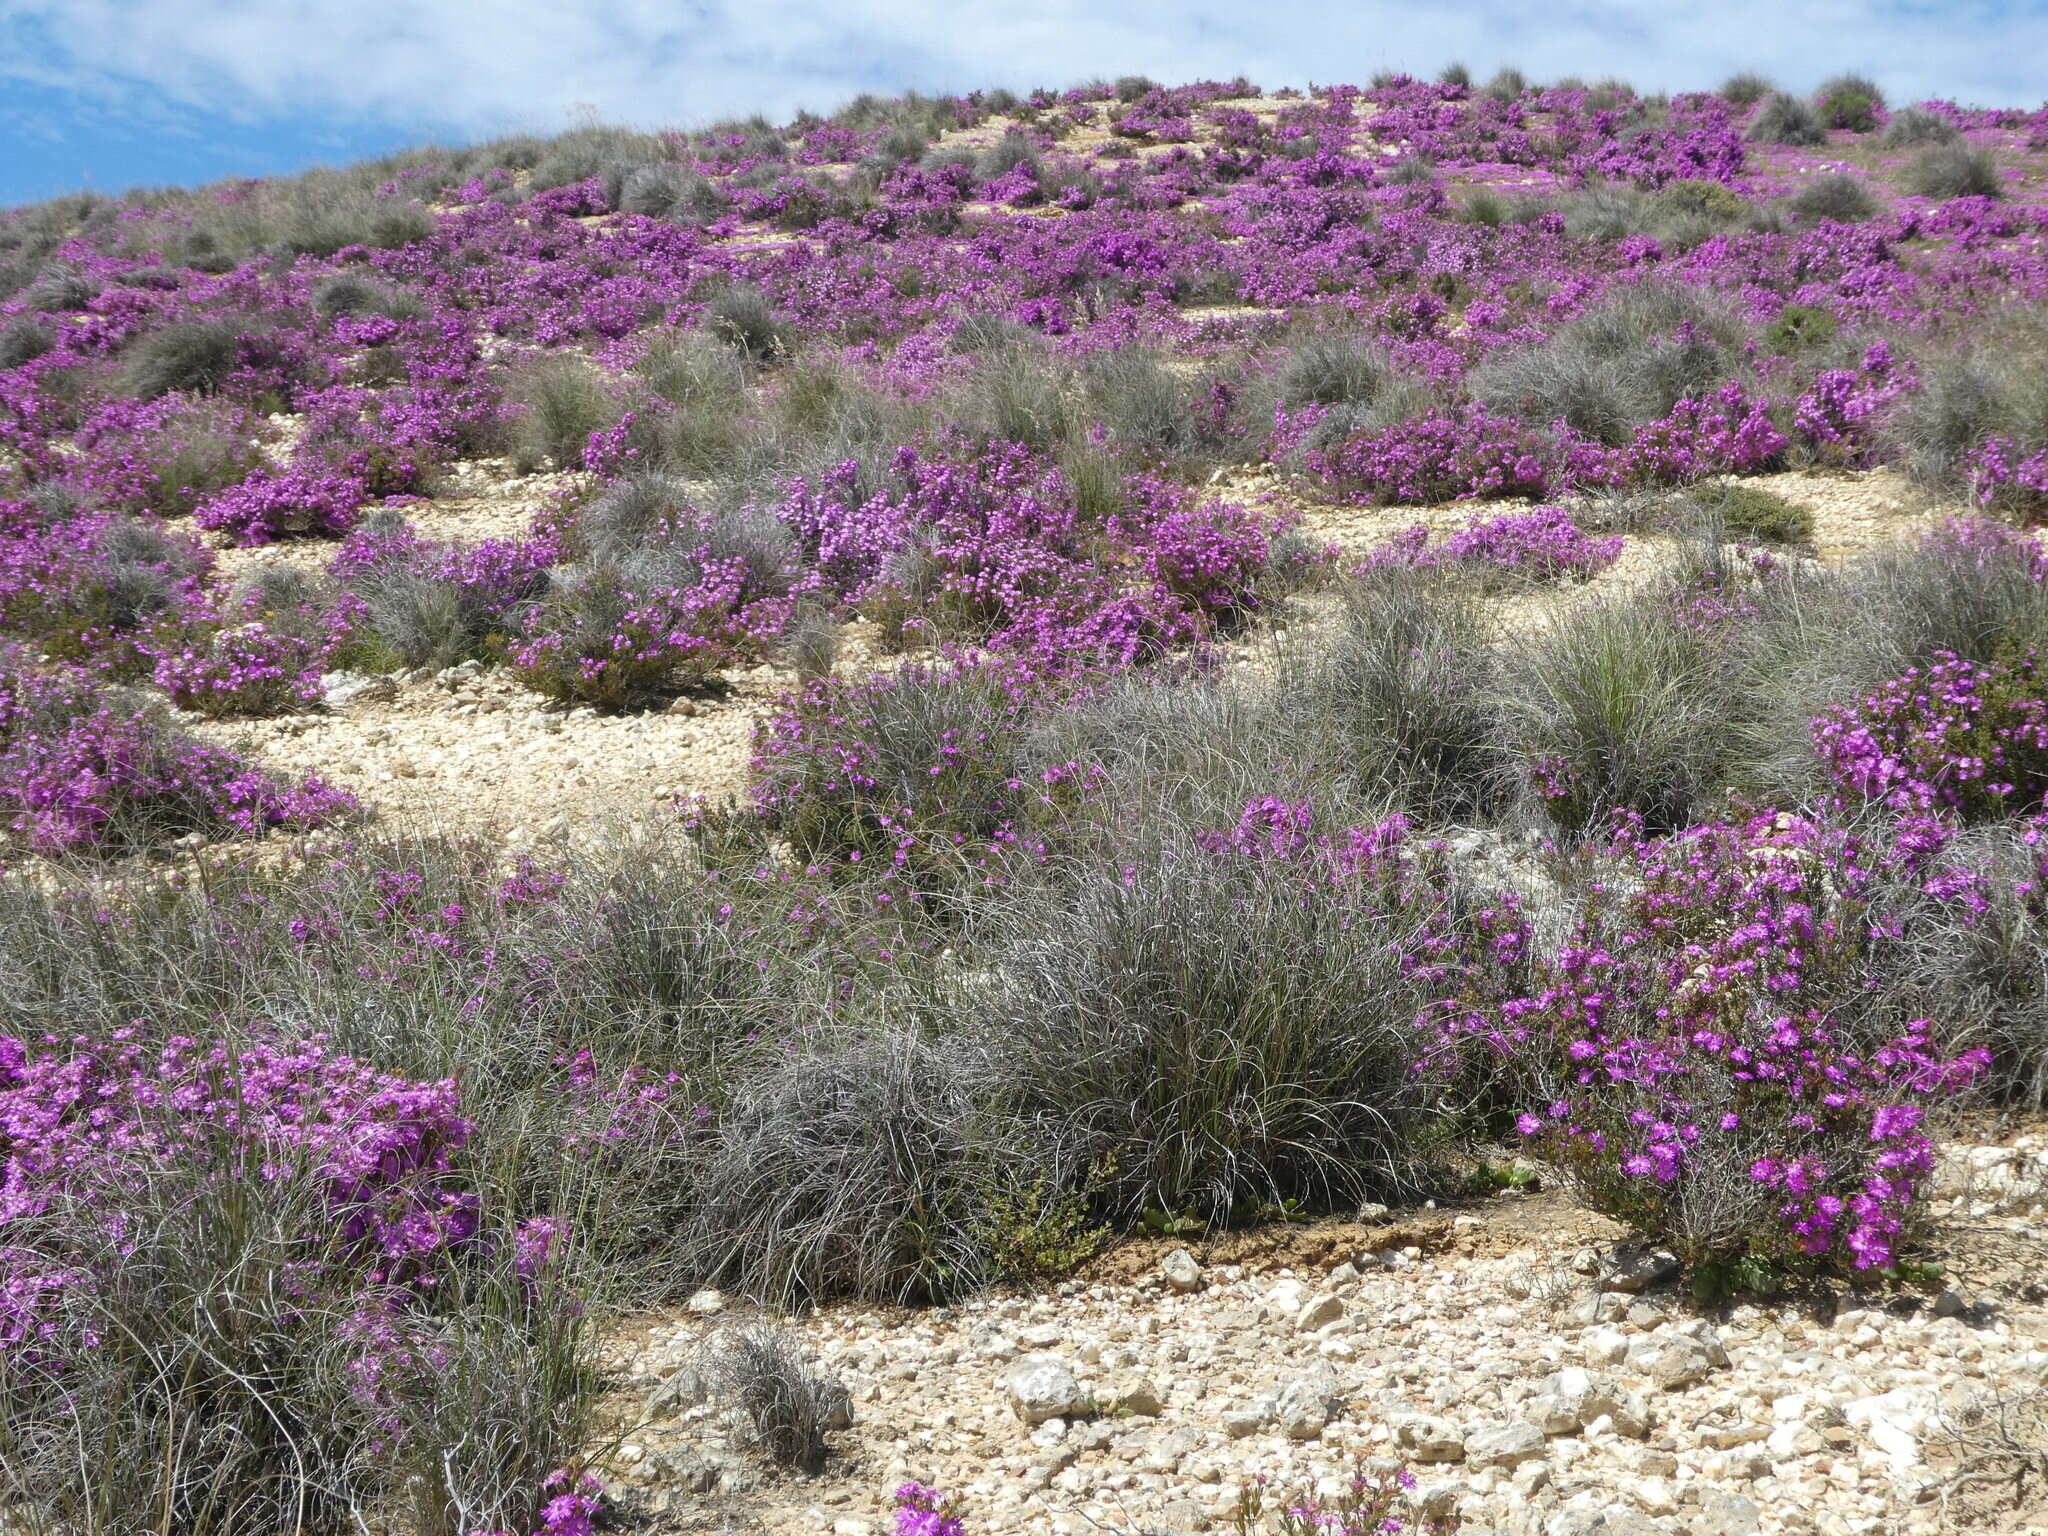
{"points": [[119, 93]]}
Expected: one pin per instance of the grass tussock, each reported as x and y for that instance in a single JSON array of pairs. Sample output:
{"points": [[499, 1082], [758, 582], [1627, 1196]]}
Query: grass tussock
{"points": [[1945, 170], [1620, 364]]}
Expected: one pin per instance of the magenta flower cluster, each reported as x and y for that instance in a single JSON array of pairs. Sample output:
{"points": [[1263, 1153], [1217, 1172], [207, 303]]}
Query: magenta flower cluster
{"points": [[1729, 431], [1954, 736], [989, 548], [923, 1511], [1710, 1084], [1694, 1053], [1439, 457], [2003, 473], [98, 589], [575, 1500], [84, 1118], [614, 645], [83, 769], [88, 1124], [1210, 556], [256, 669], [267, 507], [1543, 544]]}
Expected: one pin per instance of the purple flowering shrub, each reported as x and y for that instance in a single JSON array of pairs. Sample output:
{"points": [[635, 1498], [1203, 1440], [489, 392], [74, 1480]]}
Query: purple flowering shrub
{"points": [[263, 1280], [647, 611], [2004, 474], [1718, 1052], [1210, 555], [86, 1118], [1474, 452], [990, 548], [956, 553], [602, 639], [163, 457], [1987, 547], [253, 669], [384, 538], [1839, 414], [958, 547], [1698, 143], [88, 769], [270, 505], [1956, 736], [390, 441], [1730, 431], [420, 603], [1371, 1502], [1717, 1081], [1440, 457], [97, 589], [1543, 544]]}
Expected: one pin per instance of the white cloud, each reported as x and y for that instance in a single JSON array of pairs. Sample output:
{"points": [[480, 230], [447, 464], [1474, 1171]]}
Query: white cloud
{"points": [[487, 65]]}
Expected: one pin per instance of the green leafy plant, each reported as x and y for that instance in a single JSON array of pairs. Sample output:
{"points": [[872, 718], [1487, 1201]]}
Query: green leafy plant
{"points": [[1753, 514], [1158, 1223], [1851, 110], [1035, 1231], [1287, 1208], [1696, 195], [1849, 101], [1800, 326], [1916, 1272], [1498, 1178], [1748, 1275]]}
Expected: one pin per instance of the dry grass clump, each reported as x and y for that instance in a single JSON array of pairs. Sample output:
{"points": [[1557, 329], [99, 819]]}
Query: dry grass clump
{"points": [[1836, 198], [1784, 119], [562, 398], [192, 356], [790, 1406], [1915, 128], [1620, 364], [1991, 383], [1946, 170]]}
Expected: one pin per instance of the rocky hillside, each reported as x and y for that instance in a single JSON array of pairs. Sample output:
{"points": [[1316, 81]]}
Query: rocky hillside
{"points": [[1140, 808], [1534, 1386]]}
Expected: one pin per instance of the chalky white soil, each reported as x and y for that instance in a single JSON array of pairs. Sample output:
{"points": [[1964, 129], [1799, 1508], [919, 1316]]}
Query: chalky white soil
{"points": [[476, 752], [1540, 1381], [1540, 1378], [1495, 1348]]}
